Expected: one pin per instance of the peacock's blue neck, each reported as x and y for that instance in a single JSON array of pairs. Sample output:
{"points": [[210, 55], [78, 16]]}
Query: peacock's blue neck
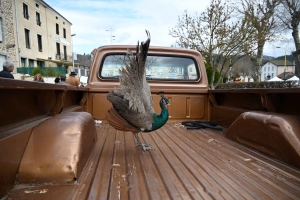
{"points": [[160, 120]]}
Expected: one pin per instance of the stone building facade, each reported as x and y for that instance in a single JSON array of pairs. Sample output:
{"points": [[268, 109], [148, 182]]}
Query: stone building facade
{"points": [[8, 49], [34, 35]]}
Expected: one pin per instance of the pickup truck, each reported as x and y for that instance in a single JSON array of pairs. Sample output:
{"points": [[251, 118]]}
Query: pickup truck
{"points": [[56, 144]]}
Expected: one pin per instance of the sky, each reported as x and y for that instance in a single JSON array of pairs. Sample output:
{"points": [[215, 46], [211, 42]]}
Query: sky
{"points": [[104, 22]]}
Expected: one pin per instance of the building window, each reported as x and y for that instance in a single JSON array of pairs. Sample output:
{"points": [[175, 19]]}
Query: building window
{"points": [[57, 51], [23, 62], [57, 29], [63, 23], [82, 72], [65, 35], [38, 19], [65, 52], [37, 5], [268, 68], [1, 30], [56, 17], [265, 69], [40, 63], [25, 11], [40, 46], [27, 38], [272, 68], [30, 63]]}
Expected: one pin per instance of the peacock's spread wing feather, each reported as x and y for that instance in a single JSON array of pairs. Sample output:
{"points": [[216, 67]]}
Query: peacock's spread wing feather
{"points": [[115, 120], [133, 99]]}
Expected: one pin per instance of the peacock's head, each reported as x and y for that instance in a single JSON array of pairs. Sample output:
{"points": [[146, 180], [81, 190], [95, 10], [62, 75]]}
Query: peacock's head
{"points": [[163, 100]]}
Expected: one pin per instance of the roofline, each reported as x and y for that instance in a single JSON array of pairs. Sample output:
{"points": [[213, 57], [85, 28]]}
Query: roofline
{"points": [[55, 11], [283, 63]]}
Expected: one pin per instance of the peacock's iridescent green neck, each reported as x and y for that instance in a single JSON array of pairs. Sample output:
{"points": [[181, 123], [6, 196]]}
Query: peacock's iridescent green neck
{"points": [[160, 120]]}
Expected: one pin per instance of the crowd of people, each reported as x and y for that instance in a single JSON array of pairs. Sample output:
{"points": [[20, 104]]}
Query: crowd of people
{"points": [[8, 67]]}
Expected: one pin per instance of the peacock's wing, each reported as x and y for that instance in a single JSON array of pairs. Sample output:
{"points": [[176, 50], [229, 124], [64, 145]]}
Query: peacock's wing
{"points": [[118, 122], [141, 120]]}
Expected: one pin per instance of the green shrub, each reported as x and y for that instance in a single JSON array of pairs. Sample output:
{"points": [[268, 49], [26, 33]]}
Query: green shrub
{"points": [[209, 73], [37, 70], [51, 72]]}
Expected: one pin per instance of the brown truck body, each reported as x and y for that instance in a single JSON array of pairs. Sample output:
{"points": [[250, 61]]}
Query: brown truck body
{"points": [[51, 148]]}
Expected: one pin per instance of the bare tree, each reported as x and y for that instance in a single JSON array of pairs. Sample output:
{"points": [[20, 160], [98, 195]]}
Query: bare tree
{"points": [[244, 66], [262, 18], [289, 17], [220, 38]]}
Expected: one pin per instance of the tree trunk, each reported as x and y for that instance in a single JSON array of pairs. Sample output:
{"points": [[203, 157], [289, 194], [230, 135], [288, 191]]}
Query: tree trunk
{"points": [[212, 79], [296, 54], [258, 60]]}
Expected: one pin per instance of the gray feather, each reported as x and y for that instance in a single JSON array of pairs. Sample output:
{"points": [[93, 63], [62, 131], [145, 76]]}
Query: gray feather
{"points": [[133, 99]]}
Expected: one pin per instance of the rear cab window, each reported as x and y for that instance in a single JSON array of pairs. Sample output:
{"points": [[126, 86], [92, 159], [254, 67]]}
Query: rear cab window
{"points": [[158, 67]]}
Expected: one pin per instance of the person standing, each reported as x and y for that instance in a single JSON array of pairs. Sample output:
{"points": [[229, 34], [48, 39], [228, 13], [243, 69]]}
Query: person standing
{"points": [[72, 80], [8, 67]]}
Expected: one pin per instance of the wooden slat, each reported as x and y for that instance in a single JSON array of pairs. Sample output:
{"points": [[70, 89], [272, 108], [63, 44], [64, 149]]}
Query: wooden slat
{"points": [[186, 164]]}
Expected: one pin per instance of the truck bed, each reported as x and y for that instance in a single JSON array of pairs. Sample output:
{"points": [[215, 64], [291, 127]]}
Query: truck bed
{"points": [[186, 164]]}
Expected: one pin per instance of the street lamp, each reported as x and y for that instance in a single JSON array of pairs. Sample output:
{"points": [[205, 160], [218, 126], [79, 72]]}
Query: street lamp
{"points": [[72, 52], [111, 36], [284, 61]]}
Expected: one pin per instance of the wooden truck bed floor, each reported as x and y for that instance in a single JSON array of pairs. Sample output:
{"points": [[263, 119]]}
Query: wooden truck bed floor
{"points": [[186, 164]]}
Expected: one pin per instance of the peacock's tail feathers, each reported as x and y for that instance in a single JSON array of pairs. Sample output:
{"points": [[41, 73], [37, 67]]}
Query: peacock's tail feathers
{"points": [[133, 100], [116, 121], [133, 81]]}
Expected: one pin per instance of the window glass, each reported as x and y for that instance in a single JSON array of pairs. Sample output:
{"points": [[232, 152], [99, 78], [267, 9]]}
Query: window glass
{"points": [[23, 62], [25, 11], [82, 72], [2, 34], [40, 45], [27, 38], [157, 67], [40, 63], [65, 52], [38, 19], [57, 29], [30, 63]]}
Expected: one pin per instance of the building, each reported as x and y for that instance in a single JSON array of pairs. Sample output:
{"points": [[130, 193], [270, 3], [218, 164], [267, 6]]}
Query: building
{"points": [[83, 63], [273, 68], [33, 34]]}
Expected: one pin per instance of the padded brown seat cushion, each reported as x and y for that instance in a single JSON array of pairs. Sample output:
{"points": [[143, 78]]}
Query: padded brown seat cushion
{"points": [[58, 149], [275, 134]]}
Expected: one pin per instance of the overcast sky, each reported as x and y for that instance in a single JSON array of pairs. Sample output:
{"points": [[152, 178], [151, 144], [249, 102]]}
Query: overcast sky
{"points": [[94, 22]]}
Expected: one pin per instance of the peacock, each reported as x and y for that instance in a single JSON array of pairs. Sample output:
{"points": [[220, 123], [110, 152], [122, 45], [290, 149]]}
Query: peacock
{"points": [[132, 103]]}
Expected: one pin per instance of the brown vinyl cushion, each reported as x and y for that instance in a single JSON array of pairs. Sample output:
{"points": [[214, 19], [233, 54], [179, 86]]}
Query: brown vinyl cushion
{"points": [[58, 149], [275, 134]]}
